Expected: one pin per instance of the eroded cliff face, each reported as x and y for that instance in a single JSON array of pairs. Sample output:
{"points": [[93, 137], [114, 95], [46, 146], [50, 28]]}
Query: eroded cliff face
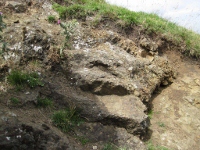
{"points": [[110, 76]]}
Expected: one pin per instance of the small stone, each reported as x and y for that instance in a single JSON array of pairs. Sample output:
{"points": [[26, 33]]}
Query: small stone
{"points": [[8, 138], [4, 118], [136, 93], [120, 62], [165, 83], [197, 81], [130, 68], [27, 93], [94, 147]]}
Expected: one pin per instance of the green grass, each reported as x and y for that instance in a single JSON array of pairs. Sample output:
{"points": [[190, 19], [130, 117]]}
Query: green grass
{"points": [[83, 140], [51, 19], [19, 79], [66, 119], [108, 146], [44, 102], [150, 114], [14, 100], [161, 124], [149, 22], [150, 146]]}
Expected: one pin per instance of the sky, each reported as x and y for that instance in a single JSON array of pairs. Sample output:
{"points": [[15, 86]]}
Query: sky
{"points": [[185, 13]]}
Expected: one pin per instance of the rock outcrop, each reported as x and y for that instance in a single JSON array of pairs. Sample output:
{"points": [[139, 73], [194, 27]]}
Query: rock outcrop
{"points": [[106, 75]]}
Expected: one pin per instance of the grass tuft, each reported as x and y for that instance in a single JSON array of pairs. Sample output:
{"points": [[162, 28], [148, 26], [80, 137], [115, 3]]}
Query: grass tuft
{"points": [[14, 100], [45, 102], [66, 119], [19, 79], [150, 146], [51, 19], [149, 22], [83, 140]]}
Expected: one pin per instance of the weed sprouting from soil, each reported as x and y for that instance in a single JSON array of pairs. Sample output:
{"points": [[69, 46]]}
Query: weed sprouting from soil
{"points": [[150, 146], [51, 19], [44, 102], [14, 100], [66, 119], [19, 79]]}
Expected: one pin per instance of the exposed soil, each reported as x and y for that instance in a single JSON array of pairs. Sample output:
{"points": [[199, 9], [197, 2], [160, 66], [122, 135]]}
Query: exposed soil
{"points": [[175, 122]]}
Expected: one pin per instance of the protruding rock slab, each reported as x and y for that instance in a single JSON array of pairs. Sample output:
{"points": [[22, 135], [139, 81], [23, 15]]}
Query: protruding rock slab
{"points": [[108, 69]]}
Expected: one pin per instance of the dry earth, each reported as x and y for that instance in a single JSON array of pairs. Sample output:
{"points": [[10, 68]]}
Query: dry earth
{"points": [[176, 109]]}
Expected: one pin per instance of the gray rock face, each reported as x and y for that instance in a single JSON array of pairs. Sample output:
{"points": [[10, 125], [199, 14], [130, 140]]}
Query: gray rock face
{"points": [[36, 43], [16, 6], [21, 136], [33, 42], [107, 70]]}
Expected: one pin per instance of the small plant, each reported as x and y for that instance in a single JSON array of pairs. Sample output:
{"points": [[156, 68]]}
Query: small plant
{"points": [[161, 124], [14, 100], [108, 146], [66, 119], [83, 140], [150, 114], [19, 79], [150, 146], [69, 28], [2, 24], [44, 102], [51, 19]]}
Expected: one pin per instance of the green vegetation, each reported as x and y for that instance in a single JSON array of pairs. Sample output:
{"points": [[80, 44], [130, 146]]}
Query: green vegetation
{"points": [[83, 140], [150, 114], [151, 23], [51, 19], [44, 102], [150, 146], [69, 28], [66, 119], [108, 146], [20, 79], [161, 124], [14, 100], [61, 10], [2, 26]]}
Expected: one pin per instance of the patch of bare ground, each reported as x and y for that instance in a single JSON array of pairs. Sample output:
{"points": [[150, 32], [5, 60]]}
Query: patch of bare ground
{"points": [[175, 122]]}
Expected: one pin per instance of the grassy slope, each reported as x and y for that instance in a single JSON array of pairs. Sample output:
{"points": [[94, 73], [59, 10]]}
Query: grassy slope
{"points": [[150, 22]]}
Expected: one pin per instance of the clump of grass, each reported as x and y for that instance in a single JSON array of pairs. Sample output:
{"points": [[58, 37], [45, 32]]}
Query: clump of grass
{"points": [[51, 19], [108, 146], [66, 119], [83, 140], [150, 146], [149, 22], [150, 114], [19, 79], [14, 100], [44, 102], [161, 124], [61, 10]]}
